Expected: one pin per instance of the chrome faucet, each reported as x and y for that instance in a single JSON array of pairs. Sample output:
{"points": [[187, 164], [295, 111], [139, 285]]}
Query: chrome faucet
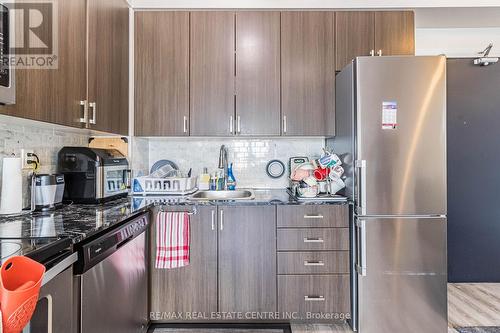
{"points": [[223, 163]]}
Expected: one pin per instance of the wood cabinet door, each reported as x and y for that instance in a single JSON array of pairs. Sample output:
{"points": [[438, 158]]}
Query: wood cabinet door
{"points": [[161, 73], [307, 73], [108, 65], [247, 259], [354, 36], [193, 288], [395, 32], [257, 73], [54, 95], [212, 73]]}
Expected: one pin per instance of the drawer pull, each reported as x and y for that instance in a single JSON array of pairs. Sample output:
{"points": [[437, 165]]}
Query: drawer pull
{"points": [[314, 298], [314, 263], [313, 216], [313, 240]]}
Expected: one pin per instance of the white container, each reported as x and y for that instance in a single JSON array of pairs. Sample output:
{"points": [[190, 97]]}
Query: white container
{"points": [[164, 186]]}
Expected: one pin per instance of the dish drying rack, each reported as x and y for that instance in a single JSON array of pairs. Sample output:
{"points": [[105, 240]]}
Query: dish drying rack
{"points": [[178, 186]]}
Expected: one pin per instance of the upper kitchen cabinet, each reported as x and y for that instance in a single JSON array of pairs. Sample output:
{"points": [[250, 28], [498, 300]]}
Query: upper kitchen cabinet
{"points": [[354, 36], [212, 71], [162, 73], [395, 33], [257, 73], [108, 65], [373, 33], [54, 95], [307, 73]]}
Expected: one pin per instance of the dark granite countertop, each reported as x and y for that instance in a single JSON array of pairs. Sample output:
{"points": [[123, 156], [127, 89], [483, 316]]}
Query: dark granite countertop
{"points": [[79, 221]]}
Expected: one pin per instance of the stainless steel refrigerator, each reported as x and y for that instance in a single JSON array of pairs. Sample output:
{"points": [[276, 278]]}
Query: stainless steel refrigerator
{"points": [[391, 136]]}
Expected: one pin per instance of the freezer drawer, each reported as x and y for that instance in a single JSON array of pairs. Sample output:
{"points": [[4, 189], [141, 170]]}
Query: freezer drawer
{"points": [[402, 275]]}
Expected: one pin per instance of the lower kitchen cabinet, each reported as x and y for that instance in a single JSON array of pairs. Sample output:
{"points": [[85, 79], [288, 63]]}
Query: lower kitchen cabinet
{"points": [[247, 259], [313, 295], [192, 288]]}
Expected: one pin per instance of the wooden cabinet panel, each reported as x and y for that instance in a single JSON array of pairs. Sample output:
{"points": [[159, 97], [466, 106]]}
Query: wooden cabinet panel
{"points": [[308, 73], [247, 259], [212, 73], [258, 73], [192, 288], [395, 33], [108, 65], [161, 73], [313, 216], [54, 95], [314, 294], [354, 36], [314, 239], [334, 262]]}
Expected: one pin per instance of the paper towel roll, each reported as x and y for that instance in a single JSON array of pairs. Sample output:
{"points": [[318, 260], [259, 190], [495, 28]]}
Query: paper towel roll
{"points": [[11, 199]]}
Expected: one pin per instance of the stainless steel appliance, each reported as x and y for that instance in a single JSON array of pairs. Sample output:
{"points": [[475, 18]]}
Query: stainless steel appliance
{"points": [[391, 136], [53, 312], [93, 175], [48, 191], [112, 275], [7, 73]]}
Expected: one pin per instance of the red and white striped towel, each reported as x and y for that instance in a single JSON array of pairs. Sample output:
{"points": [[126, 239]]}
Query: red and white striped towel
{"points": [[172, 240]]}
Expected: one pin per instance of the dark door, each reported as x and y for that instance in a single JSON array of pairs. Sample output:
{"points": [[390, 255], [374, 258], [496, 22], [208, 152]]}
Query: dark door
{"points": [[473, 181], [108, 65], [247, 259], [161, 73], [307, 73], [193, 288], [354, 36], [212, 73], [257, 73]]}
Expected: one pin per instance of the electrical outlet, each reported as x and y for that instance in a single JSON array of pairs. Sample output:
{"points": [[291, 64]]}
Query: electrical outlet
{"points": [[25, 158]]}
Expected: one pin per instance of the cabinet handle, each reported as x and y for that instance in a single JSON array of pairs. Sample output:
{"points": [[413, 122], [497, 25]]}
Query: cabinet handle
{"points": [[185, 124], [85, 118], [238, 125], [221, 220], [213, 219], [313, 263], [313, 240], [284, 124], [379, 53], [93, 105], [372, 53], [314, 298], [319, 216], [231, 125]]}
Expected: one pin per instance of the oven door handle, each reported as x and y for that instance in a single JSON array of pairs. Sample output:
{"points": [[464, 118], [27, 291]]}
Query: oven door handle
{"points": [[59, 268]]}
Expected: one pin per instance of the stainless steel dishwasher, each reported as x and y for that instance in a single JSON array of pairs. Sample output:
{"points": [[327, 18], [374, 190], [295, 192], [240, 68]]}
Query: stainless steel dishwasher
{"points": [[112, 279]]}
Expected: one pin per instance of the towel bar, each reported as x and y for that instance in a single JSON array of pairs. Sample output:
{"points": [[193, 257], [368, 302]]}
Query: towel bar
{"points": [[194, 212]]}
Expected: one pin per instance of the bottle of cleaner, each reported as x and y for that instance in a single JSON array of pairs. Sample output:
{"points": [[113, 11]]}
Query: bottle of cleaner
{"points": [[213, 182], [204, 180], [231, 181]]}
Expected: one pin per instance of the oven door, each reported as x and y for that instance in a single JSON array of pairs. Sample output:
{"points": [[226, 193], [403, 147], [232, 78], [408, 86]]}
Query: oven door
{"points": [[7, 73]]}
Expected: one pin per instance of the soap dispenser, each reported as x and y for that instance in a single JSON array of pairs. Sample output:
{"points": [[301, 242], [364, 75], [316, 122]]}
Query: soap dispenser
{"points": [[231, 181]]}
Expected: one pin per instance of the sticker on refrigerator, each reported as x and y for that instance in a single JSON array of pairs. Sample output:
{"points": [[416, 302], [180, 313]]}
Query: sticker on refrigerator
{"points": [[389, 115]]}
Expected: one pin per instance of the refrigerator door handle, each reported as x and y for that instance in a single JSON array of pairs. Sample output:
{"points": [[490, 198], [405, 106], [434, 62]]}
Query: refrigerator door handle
{"points": [[361, 247], [361, 195]]}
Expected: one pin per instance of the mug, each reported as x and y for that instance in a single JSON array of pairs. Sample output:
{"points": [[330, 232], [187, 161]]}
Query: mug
{"points": [[321, 174], [336, 172], [336, 185], [323, 187]]}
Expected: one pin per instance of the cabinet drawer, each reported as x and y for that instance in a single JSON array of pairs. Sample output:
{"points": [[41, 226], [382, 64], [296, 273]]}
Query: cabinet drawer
{"points": [[315, 294], [325, 239], [313, 216], [313, 262]]}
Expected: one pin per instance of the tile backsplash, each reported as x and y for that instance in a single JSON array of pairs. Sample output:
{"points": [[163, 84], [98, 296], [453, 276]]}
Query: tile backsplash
{"points": [[249, 155]]}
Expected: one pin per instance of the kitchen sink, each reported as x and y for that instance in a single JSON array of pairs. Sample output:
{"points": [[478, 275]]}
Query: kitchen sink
{"points": [[223, 195]]}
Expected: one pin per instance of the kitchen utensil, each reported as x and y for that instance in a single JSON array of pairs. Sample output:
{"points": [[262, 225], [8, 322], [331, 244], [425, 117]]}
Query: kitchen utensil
{"points": [[294, 162], [321, 174], [311, 181], [307, 192], [160, 163], [336, 185], [20, 281], [336, 172], [323, 187], [48, 191], [275, 169]]}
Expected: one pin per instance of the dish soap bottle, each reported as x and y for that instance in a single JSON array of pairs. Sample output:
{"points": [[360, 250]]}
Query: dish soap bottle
{"points": [[231, 181]]}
